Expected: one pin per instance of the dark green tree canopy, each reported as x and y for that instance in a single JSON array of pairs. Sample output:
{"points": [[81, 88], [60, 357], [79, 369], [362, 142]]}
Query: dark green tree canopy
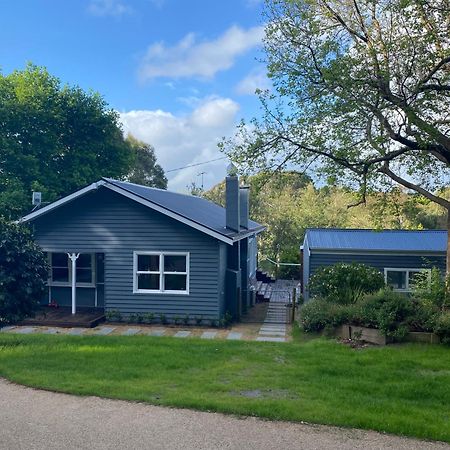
{"points": [[144, 169], [23, 272], [54, 139], [361, 93]]}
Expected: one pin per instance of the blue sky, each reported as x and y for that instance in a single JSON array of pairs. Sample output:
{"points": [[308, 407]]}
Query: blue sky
{"points": [[181, 73]]}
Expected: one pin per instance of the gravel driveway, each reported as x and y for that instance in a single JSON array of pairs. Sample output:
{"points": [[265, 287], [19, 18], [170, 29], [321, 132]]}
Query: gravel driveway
{"points": [[33, 419]]}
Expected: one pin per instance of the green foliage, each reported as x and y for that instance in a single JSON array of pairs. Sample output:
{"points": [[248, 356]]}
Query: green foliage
{"points": [[148, 317], [23, 273], [163, 319], [344, 283], [431, 289], [54, 139], [343, 74], [144, 168], [114, 315], [442, 327], [318, 315], [388, 311], [288, 203]]}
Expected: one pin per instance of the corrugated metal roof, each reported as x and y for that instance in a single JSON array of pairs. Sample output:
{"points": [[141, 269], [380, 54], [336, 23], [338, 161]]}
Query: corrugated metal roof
{"points": [[194, 208], [375, 240]]}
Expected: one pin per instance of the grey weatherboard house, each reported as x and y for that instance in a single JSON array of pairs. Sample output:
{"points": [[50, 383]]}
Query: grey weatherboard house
{"points": [[398, 254], [143, 250]]}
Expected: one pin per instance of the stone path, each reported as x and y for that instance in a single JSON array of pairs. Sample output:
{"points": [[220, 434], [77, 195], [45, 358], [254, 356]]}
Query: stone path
{"points": [[268, 332]]}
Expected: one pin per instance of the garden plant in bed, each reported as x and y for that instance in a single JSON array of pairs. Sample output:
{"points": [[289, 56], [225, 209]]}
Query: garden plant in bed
{"points": [[356, 294]]}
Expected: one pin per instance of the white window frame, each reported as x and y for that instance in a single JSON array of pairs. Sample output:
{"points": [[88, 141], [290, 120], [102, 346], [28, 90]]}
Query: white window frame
{"points": [[161, 273], [50, 281], [407, 271]]}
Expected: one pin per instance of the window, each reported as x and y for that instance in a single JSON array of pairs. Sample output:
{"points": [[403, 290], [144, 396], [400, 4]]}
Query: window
{"points": [[163, 272], [61, 270], [401, 279]]}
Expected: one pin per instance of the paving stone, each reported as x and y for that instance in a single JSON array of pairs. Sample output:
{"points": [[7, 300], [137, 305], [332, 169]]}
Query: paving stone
{"points": [[182, 334], [273, 333], [209, 334], [104, 331], [77, 331], [131, 332], [270, 339], [51, 331], [234, 336], [8, 328], [274, 329], [26, 330], [159, 332]]}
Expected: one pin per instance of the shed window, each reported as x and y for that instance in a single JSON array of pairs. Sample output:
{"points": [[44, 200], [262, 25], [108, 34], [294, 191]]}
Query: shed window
{"points": [[161, 272], [401, 279], [61, 269]]}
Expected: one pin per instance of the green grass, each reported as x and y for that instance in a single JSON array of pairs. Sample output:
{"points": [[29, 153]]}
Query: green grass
{"points": [[401, 389]]}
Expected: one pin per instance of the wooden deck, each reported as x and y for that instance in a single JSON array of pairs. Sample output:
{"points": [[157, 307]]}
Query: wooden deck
{"points": [[62, 317]]}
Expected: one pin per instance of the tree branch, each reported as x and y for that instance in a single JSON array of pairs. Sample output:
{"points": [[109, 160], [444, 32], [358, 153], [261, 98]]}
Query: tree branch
{"points": [[434, 198]]}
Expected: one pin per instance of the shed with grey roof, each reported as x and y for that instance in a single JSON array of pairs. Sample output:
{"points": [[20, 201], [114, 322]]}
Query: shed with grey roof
{"points": [[398, 254], [125, 247]]}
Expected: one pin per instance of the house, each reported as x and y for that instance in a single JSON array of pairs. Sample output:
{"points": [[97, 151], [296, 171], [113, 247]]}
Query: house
{"points": [[398, 254], [135, 249]]}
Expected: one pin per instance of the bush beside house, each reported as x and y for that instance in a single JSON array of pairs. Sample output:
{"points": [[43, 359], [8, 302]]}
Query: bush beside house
{"points": [[346, 298], [23, 273]]}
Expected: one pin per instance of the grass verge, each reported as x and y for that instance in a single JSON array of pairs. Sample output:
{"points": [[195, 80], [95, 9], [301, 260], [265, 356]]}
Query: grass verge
{"points": [[402, 389]]}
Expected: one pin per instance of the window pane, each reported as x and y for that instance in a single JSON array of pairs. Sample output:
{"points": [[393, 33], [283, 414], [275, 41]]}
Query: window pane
{"points": [[84, 260], [84, 275], [59, 259], [148, 263], [174, 263], [148, 281], [396, 279], [60, 274], [175, 282]]}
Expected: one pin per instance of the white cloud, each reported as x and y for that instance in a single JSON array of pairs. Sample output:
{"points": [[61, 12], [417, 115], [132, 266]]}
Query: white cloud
{"points": [[189, 58], [189, 139], [256, 79], [114, 8]]}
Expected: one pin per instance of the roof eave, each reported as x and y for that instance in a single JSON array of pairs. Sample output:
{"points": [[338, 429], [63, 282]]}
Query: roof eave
{"points": [[69, 198]]}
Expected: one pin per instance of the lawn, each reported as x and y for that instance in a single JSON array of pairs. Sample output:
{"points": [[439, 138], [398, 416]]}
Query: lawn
{"points": [[401, 389]]}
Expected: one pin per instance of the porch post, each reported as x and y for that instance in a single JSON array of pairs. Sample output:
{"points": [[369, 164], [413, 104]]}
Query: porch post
{"points": [[73, 257]]}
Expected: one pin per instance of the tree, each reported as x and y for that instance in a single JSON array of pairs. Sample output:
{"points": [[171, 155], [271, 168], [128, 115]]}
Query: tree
{"points": [[54, 139], [362, 94], [23, 273], [144, 169]]}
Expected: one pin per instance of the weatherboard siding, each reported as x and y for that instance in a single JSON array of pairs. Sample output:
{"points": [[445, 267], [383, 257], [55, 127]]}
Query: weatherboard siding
{"points": [[106, 222], [379, 261]]}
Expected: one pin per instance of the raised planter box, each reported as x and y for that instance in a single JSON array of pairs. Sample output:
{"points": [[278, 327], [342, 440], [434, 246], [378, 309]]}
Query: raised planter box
{"points": [[371, 335], [422, 336], [375, 336]]}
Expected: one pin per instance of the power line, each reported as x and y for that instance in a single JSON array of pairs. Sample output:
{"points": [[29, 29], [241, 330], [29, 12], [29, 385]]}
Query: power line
{"points": [[197, 164]]}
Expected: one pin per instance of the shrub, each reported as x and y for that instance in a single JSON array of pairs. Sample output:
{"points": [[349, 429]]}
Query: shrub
{"points": [[442, 327], [113, 315], [345, 283], [186, 319], [319, 314], [23, 273], [388, 311], [163, 318], [148, 317], [430, 289]]}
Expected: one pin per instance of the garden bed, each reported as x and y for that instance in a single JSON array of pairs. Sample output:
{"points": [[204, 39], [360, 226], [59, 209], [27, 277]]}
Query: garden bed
{"points": [[375, 336]]}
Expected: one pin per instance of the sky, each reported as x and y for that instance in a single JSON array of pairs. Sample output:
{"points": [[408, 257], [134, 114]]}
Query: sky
{"points": [[181, 73]]}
